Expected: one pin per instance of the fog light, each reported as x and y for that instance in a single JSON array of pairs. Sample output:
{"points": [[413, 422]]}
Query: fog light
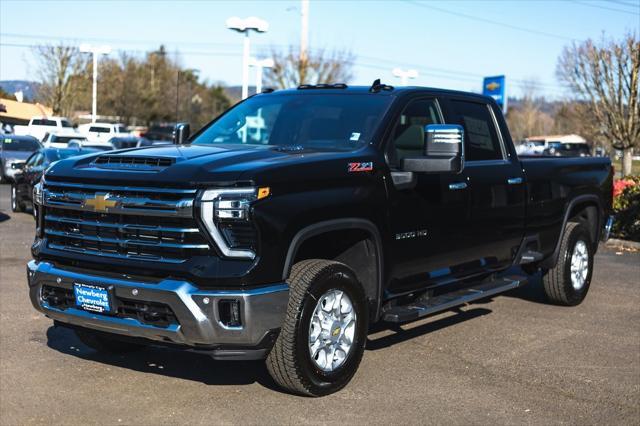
{"points": [[229, 313]]}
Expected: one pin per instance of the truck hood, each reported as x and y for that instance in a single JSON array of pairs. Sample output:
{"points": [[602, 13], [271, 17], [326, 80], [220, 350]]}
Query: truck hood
{"points": [[198, 165]]}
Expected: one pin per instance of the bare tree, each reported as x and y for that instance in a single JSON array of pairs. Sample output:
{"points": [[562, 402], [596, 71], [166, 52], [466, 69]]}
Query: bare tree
{"points": [[319, 67], [527, 119], [61, 73], [606, 76]]}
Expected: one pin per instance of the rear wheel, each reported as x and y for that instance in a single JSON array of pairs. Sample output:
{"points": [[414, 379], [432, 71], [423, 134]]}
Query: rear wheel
{"points": [[321, 342], [568, 282], [103, 342], [16, 205]]}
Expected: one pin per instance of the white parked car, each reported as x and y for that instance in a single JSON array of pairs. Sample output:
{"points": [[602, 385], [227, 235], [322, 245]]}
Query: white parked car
{"points": [[103, 131], [64, 138], [38, 127]]}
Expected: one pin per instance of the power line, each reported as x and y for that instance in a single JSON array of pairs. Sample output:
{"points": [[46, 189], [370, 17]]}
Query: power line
{"points": [[427, 71], [626, 3], [628, 12], [489, 21]]}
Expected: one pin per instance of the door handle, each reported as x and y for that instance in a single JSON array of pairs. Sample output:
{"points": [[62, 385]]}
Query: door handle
{"points": [[457, 186], [514, 181]]}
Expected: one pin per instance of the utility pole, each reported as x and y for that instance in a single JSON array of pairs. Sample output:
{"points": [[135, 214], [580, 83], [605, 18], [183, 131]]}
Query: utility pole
{"points": [[95, 51], [304, 30], [245, 26], [404, 75]]}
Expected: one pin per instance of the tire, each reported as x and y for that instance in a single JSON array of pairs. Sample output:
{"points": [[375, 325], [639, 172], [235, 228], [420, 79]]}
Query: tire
{"points": [[16, 206], [312, 283], [104, 343], [561, 285]]}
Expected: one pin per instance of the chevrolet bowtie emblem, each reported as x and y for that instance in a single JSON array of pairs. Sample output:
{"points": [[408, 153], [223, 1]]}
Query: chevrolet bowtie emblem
{"points": [[100, 203], [493, 86]]}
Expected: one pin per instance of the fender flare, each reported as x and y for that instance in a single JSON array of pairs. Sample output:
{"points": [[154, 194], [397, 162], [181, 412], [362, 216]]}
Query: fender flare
{"points": [[551, 261], [336, 225]]}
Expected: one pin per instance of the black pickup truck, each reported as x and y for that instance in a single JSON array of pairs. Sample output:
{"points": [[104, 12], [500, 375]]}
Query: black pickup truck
{"points": [[288, 225]]}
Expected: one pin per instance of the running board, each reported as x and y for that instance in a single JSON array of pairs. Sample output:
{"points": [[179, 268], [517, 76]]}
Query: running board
{"points": [[444, 302]]}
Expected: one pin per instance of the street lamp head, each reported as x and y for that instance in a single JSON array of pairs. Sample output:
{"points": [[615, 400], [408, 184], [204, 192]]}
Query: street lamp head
{"points": [[98, 50], [262, 63], [247, 24], [412, 73]]}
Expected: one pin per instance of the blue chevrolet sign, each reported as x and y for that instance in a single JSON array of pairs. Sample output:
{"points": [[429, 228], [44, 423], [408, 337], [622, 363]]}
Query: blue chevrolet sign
{"points": [[495, 87]]}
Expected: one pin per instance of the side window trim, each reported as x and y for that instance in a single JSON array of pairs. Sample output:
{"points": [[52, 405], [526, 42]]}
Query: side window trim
{"points": [[496, 161], [388, 139], [503, 149]]}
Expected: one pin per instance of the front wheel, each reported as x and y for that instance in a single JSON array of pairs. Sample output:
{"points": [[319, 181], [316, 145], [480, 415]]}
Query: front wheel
{"points": [[322, 340], [568, 282]]}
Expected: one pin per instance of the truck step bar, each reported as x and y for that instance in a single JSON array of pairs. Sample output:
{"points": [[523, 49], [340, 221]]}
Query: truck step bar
{"points": [[422, 308]]}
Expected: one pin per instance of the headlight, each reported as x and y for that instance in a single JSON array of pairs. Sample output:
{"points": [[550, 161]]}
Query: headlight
{"points": [[225, 213]]}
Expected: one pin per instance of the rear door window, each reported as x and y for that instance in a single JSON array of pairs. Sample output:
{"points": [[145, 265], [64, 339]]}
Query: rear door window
{"points": [[481, 139]]}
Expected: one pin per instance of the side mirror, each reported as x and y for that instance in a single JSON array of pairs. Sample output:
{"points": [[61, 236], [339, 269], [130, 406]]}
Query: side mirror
{"points": [[181, 133], [443, 151]]}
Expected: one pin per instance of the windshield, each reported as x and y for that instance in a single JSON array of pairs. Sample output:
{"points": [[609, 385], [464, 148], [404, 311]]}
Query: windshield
{"points": [[319, 121], [12, 144]]}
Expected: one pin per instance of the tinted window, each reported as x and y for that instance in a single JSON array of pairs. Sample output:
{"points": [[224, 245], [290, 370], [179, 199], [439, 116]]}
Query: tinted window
{"points": [[408, 131], [13, 144], [38, 160], [481, 140], [43, 122], [66, 139], [31, 160], [97, 129], [317, 121], [65, 123]]}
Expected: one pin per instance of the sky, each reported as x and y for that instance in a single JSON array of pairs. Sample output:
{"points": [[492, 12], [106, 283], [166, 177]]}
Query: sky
{"points": [[452, 44]]}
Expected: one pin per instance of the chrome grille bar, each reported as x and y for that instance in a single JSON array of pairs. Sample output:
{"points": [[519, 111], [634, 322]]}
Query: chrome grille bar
{"points": [[124, 242], [90, 187], [119, 226], [128, 256]]}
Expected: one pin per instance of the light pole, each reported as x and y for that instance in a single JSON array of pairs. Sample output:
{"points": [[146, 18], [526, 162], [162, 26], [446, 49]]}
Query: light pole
{"points": [[260, 64], [404, 75], [95, 51], [245, 26]]}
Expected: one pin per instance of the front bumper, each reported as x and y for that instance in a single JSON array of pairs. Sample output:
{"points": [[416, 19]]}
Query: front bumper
{"points": [[198, 324]]}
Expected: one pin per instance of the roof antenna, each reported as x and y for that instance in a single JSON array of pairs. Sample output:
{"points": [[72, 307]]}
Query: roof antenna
{"points": [[378, 86]]}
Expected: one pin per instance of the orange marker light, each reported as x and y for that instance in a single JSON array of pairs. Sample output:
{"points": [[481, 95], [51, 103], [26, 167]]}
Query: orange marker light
{"points": [[263, 192]]}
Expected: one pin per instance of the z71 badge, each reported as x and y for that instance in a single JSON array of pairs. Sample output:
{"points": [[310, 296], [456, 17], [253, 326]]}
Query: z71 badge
{"points": [[360, 167]]}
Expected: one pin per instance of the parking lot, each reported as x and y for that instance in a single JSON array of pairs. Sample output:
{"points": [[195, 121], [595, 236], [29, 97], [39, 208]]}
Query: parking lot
{"points": [[512, 359]]}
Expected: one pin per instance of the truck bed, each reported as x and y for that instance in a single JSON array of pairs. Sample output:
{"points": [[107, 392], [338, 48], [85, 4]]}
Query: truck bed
{"points": [[556, 185]]}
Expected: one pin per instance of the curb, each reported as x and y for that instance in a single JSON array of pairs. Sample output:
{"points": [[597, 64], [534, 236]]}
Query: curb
{"points": [[624, 244]]}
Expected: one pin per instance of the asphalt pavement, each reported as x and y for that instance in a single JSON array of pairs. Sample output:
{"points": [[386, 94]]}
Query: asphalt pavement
{"points": [[510, 360]]}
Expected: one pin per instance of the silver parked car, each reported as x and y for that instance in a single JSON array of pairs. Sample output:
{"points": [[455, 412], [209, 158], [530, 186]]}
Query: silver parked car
{"points": [[15, 150]]}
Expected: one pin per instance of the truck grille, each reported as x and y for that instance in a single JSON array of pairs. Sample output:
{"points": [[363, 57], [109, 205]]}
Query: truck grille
{"points": [[152, 224]]}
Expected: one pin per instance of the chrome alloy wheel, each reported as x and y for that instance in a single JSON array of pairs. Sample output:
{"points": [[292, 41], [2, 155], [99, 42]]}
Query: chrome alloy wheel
{"points": [[332, 330], [579, 265]]}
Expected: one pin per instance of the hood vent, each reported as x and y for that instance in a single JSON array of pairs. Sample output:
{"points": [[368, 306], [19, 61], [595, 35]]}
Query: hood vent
{"points": [[132, 162]]}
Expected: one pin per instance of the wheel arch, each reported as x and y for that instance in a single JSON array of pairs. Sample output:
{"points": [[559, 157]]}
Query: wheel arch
{"points": [[588, 206], [357, 255]]}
